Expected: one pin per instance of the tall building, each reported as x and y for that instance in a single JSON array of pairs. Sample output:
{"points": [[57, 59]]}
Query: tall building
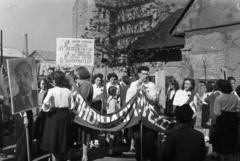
{"points": [[114, 24]]}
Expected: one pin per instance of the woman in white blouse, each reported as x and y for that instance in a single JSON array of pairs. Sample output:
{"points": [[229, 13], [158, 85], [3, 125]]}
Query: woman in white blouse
{"points": [[57, 103], [186, 95], [97, 104]]}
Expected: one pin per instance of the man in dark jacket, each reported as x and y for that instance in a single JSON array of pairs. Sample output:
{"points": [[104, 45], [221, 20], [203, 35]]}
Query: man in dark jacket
{"points": [[184, 143]]}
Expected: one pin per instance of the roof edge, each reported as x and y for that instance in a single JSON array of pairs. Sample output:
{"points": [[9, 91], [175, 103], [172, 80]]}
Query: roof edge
{"points": [[187, 7], [39, 54]]}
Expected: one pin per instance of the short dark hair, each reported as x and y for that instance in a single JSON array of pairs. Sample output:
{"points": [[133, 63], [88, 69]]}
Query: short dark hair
{"points": [[174, 82], [126, 80], [191, 81], [143, 68], [209, 87], [231, 78], [59, 78], [110, 75], [225, 87], [83, 73], [184, 113], [216, 86], [46, 80], [98, 75], [112, 91]]}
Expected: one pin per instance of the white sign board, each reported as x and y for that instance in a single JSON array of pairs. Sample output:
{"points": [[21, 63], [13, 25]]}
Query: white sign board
{"points": [[75, 51]]}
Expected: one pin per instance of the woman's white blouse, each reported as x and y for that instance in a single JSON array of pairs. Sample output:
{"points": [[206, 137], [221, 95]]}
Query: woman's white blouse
{"points": [[182, 98], [58, 98]]}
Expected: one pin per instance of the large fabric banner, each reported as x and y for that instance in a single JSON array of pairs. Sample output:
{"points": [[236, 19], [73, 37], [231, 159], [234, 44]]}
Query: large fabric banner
{"points": [[138, 109]]}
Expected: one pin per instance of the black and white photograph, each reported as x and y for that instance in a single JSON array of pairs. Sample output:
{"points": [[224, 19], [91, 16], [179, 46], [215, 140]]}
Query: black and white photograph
{"points": [[120, 80]]}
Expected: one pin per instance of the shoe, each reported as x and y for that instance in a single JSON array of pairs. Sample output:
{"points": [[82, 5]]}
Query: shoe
{"points": [[112, 155], [117, 153], [214, 157], [2, 155], [84, 159], [132, 150]]}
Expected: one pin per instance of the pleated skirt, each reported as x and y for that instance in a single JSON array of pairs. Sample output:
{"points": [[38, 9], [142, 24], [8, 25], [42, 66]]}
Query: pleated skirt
{"points": [[227, 133], [56, 135]]}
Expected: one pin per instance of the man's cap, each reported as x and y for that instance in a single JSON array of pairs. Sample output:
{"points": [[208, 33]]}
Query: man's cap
{"points": [[184, 113]]}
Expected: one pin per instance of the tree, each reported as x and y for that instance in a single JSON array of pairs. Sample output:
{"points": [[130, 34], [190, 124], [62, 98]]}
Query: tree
{"points": [[117, 24]]}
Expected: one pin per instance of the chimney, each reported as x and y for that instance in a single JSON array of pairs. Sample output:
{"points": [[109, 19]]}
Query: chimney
{"points": [[26, 53]]}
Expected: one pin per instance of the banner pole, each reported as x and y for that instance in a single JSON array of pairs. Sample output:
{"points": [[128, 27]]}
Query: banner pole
{"points": [[27, 139], [2, 124], [104, 89], [141, 136]]}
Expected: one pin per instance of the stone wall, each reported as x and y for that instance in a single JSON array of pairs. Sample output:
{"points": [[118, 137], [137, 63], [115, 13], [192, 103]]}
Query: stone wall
{"points": [[220, 47]]}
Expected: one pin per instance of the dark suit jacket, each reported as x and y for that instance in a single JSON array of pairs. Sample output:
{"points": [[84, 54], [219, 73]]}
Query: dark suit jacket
{"points": [[184, 144], [18, 105]]}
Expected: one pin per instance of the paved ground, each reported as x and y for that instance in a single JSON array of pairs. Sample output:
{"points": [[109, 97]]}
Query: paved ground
{"points": [[94, 154]]}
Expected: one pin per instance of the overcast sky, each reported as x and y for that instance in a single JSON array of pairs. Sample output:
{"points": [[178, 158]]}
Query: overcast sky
{"points": [[42, 20]]}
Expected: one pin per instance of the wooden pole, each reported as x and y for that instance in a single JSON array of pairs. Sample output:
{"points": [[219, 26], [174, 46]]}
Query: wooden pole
{"points": [[104, 89], [27, 139], [1, 40], [141, 137], [91, 79]]}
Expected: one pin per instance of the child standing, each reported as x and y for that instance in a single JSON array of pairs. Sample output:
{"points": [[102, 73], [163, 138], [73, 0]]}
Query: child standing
{"points": [[112, 106]]}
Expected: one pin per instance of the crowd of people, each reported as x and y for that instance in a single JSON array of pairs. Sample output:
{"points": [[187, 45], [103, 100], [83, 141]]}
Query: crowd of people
{"points": [[56, 132]]}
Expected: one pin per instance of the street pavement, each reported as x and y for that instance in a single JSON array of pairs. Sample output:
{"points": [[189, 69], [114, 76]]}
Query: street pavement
{"points": [[99, 154]]}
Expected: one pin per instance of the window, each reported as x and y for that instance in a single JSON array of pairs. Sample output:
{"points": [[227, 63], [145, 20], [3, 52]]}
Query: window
{"points": [[103, 41], [104, 14]]}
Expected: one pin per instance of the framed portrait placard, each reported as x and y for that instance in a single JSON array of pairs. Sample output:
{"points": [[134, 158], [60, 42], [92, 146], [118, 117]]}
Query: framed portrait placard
{"points": [[23, 85]]}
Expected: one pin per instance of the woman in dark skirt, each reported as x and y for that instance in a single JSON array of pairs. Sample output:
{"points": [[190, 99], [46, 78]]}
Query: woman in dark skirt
{"points": [[97, 104], [85, 88], [212, 133], [41, 115], [58, 102], [205, 124], [173, 86], [226, 108]]}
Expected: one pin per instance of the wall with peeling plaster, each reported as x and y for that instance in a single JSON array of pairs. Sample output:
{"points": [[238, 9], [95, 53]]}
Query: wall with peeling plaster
{"points": [[220, 47], [209, 13]]}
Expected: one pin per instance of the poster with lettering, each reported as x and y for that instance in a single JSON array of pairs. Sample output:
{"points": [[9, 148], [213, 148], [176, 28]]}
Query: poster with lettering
{"points": [[72, 51]]}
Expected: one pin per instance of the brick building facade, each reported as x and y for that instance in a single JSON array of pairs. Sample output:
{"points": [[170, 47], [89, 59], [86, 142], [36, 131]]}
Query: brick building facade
{"points": [[212, 36]]}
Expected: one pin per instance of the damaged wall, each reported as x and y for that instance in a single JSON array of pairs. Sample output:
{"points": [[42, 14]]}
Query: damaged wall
{"points": [[219, 46]]}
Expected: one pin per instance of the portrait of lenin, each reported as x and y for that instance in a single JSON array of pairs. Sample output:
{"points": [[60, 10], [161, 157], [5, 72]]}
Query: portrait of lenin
{"points": [[23, 76]]}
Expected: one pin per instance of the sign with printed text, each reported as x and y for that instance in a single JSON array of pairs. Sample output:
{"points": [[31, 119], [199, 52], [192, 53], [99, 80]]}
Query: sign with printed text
{"points": [[75, 51]]}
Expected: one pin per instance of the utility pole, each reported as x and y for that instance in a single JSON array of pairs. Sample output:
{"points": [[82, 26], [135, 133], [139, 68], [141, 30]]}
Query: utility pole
{"points": [[1, 41], [26, 53]]}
